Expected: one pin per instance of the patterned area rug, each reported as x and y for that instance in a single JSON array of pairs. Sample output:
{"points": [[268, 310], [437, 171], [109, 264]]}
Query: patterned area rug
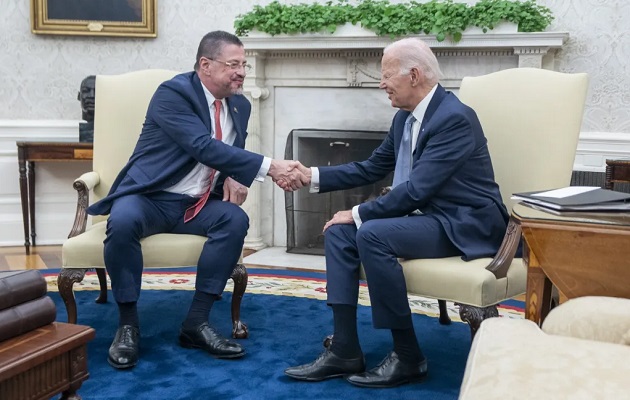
{"points": [[285, 283]]}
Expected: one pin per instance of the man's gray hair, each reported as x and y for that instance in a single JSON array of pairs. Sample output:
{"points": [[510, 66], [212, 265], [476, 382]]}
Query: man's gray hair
{"points": [[413, 52]]}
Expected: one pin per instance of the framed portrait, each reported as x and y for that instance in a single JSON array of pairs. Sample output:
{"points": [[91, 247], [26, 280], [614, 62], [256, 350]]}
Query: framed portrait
{"points": [[129, 18]]}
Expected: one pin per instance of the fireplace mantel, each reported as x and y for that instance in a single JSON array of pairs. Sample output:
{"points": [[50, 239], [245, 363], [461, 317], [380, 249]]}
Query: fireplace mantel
{"points": [[549, 40], [331, 82]]}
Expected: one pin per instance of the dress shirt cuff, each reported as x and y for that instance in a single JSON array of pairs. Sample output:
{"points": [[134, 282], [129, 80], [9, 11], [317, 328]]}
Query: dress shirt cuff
{"points": [[314, 180], [356, 216], [264, 168]]}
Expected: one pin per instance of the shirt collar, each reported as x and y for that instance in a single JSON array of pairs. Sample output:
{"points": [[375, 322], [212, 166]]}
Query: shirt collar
{"points": [[210, 98], [421, 108]]}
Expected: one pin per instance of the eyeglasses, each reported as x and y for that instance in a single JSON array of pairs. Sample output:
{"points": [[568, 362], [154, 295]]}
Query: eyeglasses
{"points": [[234, 64]]}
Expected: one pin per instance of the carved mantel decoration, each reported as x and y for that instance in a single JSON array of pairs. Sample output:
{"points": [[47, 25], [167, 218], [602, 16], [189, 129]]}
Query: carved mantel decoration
{"points": [[293, 74]]}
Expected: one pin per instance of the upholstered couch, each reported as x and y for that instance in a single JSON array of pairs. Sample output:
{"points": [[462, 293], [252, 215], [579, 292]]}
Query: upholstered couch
{"points": [[581, 352]]}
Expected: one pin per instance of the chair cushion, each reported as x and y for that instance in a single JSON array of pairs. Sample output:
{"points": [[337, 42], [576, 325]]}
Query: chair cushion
{"points": [[605, 319], [514, 359], [467, 282], [162, 250]]}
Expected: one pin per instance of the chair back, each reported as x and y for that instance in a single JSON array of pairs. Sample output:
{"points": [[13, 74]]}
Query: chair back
{"points": [[121, 104], [531, 118]]}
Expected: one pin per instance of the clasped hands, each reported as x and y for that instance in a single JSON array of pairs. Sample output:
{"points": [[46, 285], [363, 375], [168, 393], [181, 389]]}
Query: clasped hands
{"points": [[289, 175]]}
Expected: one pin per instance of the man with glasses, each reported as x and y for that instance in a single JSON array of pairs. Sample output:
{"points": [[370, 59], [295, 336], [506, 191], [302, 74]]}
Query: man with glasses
{"points": [[188, 174], [444, 202]]}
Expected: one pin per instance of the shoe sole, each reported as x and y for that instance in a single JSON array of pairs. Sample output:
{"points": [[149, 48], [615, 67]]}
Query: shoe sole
{"points": [[121, 366], [414, 380], [318, 379], [220, 356]]}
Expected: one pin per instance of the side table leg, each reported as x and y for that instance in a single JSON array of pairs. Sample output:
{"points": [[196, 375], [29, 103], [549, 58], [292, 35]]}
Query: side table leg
{"points": [[24, 198], [31, 198], [538, 293]]}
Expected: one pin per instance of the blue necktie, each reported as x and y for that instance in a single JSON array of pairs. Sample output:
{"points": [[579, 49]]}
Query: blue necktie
{"points": [[403, 162]]}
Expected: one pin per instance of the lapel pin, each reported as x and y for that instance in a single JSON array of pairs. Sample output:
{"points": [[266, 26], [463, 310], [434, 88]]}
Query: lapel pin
{"points": [[235, 110]]}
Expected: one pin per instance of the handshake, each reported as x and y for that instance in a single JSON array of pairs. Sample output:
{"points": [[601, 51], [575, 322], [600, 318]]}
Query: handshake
{"points": [[289, 175]]}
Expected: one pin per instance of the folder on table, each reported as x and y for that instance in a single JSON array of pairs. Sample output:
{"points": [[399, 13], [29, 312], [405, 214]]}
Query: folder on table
{"points": [[577, 198]]}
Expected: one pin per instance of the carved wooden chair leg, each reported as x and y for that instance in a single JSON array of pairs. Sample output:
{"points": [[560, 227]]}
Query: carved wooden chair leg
{"points": [[102, 282], [239, 276], [444, 318], [474, 316], [65, 281]]}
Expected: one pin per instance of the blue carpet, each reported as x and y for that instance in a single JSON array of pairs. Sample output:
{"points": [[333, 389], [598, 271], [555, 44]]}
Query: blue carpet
{"points": [[284, 331]]}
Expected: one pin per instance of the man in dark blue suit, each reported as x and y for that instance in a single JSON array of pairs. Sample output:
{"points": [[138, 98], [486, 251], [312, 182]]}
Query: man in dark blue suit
{"points": [[443, 202], [188, 174]]}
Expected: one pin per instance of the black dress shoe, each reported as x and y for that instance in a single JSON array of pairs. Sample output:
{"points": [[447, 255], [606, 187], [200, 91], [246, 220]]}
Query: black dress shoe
{"points": [[390, 372], [326, 366], [123, 353], [206, 338]]}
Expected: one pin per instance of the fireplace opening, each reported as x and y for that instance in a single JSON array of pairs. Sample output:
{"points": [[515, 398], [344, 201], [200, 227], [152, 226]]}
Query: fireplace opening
{"points": [[306, 212]]}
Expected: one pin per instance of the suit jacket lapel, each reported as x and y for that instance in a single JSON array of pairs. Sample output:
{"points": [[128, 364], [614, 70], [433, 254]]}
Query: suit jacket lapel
{"points": [[201, 96], [236, 119], [435, 102]]}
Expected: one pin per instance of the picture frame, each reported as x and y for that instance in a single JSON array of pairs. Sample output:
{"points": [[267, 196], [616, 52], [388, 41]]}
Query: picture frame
{"points": [[122, 18]]}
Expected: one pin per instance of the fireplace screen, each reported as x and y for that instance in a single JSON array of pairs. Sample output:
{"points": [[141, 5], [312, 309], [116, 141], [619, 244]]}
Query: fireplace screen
{"points": [[307, 212]]}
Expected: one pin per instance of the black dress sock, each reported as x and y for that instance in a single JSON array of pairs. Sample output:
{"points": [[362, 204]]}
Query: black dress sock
{"points": [[345, 343], [406, 346], [199, 309], [128, 313]]}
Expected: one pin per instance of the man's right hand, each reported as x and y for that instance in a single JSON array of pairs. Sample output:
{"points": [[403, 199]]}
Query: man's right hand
{"points": [[289, 175]]}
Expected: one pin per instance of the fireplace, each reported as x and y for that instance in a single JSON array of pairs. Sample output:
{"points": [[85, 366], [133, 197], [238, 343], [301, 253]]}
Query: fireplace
{"points": [[306, 213]]}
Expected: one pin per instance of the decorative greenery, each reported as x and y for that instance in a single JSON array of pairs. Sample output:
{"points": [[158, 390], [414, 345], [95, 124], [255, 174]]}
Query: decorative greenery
{"points": [[441, 18]]}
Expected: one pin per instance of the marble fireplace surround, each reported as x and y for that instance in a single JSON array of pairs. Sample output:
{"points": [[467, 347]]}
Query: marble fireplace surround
{"points": [[331, 82]]}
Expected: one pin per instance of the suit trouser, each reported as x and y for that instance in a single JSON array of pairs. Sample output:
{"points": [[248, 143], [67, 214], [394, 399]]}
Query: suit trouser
{"points": [[135, 217], [377, 245]]}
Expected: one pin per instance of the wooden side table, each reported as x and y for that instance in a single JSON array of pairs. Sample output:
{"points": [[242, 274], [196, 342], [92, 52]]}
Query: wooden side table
{"points": [[580, 253], [45, 362], [28, 154], [617, 171]]}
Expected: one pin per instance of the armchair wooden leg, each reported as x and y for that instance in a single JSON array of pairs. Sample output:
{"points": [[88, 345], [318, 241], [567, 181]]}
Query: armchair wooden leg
{"points": [[444, 318], [65, 281], [239, 276], [102, 282], [474, 316]]}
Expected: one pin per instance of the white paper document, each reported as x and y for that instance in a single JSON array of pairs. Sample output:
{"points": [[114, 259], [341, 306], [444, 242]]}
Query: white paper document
{"points": [[566, 192]]}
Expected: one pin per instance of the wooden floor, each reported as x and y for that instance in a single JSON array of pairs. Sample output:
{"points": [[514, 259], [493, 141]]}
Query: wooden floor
{"points": [[41, 257]]}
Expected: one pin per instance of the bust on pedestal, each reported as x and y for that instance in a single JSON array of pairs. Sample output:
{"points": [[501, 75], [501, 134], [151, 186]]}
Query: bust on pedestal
{"points": [[86, 97]]}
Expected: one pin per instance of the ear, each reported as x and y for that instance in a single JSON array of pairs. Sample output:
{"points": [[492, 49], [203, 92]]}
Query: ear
{"points": [[417, 78]]}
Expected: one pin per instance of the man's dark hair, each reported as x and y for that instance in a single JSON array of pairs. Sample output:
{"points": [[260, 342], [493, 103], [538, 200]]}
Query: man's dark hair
{"points": [[212, 43]]}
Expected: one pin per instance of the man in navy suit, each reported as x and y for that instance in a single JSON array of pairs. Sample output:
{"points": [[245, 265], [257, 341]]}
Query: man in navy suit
{"points": [[444, 202], [188, 174]]}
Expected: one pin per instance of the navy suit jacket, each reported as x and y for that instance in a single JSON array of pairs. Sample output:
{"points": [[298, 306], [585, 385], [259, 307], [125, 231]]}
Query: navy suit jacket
{"points": [[176, 135], [451, 179]]}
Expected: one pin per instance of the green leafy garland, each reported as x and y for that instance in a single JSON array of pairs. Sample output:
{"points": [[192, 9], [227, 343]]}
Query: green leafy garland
{"points": [[440, 18]]}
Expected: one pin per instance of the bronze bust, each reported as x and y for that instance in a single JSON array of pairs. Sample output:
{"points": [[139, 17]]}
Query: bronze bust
{"points": [[86, 96]]}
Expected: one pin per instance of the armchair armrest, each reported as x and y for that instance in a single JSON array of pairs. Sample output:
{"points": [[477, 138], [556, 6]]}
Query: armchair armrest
{"points": [[504, 257], [83, 185], [600, 318]]}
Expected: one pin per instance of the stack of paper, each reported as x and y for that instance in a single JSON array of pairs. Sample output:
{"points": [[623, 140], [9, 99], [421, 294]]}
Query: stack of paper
{"points": [[578, 198]]}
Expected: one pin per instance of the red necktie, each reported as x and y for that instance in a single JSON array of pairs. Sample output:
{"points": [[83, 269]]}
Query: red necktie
{"points": [[192, 211]]}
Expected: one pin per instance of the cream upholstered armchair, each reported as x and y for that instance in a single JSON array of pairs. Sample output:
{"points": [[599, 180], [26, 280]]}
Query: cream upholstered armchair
{"points": [[121, 105], [581, 352], [531, 118]]}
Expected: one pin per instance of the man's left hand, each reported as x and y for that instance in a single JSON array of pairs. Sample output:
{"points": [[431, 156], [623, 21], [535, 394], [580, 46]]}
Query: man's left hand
{"points": [[341, 217], [234, 192]]}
